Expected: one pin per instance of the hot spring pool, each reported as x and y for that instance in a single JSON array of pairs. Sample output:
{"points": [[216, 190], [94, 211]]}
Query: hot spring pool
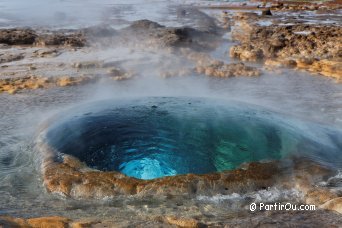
{"points": [[148, 138]]}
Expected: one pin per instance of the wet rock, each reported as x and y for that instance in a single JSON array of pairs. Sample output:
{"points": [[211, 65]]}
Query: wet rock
{"points": [[145, 25], [7, 221], [199, 20], [23, 36], [54, 221], [266, 12], [61, 39], [13, 85], [155, 35], [298, 6], [222, 70], [83, 224], [87, 65], [281, 62], [44, 222], [44, 53], [17, 36], [244, 32], [79, 182], [118, 74], [307, 175], [333, 204], [246, 53], [99, 31], [70, 81], [8, 57], [73, 179], [245, 16], [205, 64], [313, 48], [182, 222], [278, 41], [319, 196], [4, 46], [175, 37], [329, 68]]}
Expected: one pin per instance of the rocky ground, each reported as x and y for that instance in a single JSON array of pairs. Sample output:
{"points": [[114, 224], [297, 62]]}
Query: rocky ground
{"points": [[266, 37], [305, 175], [305, 36], [315, 48], [28, 57]]}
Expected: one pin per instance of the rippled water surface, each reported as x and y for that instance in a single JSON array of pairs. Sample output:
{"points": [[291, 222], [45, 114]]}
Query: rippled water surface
{"points": [[155, 137]]}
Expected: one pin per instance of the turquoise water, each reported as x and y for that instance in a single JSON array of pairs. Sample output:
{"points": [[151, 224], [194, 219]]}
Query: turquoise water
{"points": [[155, 137]]}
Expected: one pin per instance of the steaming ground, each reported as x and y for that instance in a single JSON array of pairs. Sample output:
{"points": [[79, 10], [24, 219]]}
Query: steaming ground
{"points": [[291, 93], [69, 14], [20, 183]]}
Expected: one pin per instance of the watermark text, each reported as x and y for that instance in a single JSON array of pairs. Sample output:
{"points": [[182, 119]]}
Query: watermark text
{"points": [[281, 207]]}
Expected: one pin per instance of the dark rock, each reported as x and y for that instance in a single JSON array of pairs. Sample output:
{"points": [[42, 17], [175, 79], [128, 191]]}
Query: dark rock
{"points": [[144, 24], [266, 12], [17, 36], [99, 31], [173, 36], [60, 39], [156, 35]]}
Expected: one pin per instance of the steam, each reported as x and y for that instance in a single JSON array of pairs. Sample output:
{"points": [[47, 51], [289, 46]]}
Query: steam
{"points": [[80, 13], [293, 94]]}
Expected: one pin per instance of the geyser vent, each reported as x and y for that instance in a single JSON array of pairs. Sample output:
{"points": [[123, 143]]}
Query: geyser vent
{"points": [[154, 137]]}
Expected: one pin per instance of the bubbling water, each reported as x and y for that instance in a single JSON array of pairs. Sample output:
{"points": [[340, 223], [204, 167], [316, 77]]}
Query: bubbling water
{"points": [[148, 138]]}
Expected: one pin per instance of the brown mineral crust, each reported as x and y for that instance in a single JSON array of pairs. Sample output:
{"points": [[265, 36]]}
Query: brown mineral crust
{"points": [[60, 39], [155, 35], [13, 85], [331, 68], [282, 41], [23, 36], [306, 175], [182, 222], [305, 5], [83, 224], [319, 196], [31, 76], [205, 64], [314, 48], [333, 204], [45, 222], [71, 178], [7, 221], [17, 36], [223, 70], [318, 218], [282, 5], [63, 177]]}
